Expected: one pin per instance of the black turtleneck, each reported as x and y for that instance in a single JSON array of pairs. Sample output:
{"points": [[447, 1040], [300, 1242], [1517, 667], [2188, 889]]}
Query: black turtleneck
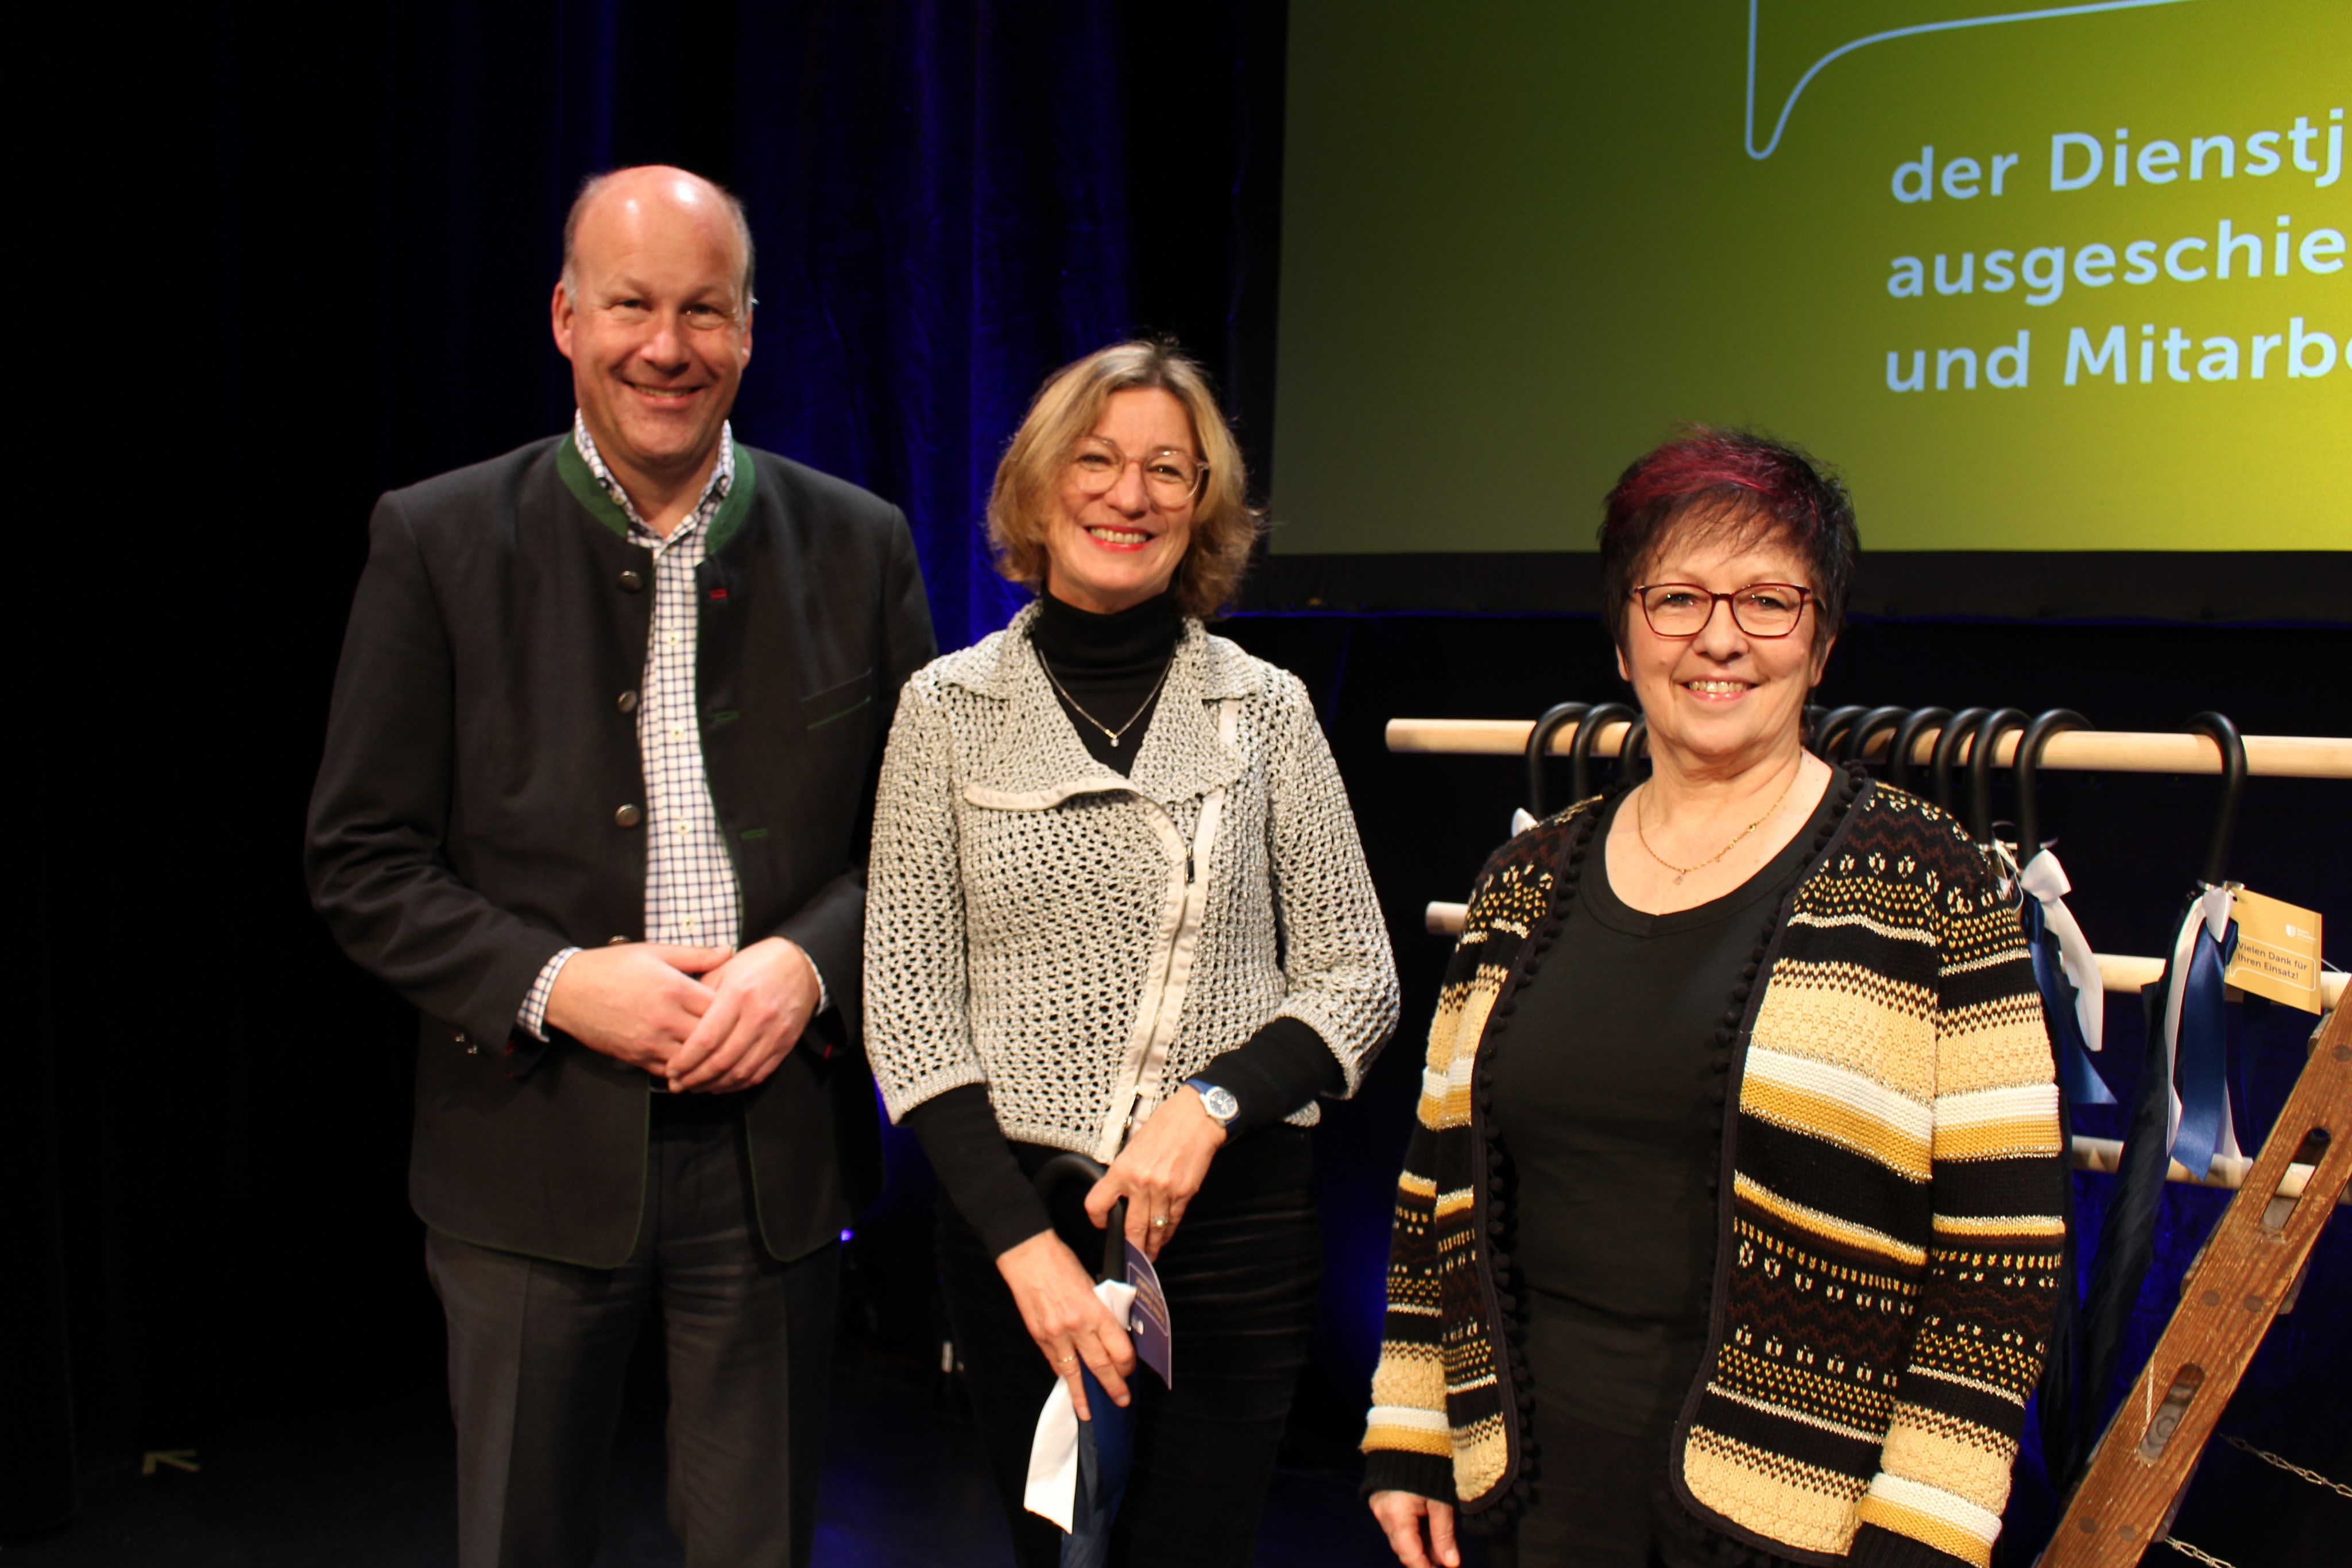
{"points": [[1107, 671]]}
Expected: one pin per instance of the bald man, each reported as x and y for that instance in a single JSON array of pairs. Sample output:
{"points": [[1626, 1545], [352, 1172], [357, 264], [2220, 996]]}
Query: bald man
{"points": [[595, 799]]}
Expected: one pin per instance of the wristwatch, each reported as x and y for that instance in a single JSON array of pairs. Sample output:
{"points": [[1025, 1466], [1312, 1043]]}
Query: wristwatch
{"points": [[1217, 1101]]}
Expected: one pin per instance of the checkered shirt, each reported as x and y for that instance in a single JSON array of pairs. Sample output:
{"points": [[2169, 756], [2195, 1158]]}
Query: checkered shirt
{"points": [[691, 897]]}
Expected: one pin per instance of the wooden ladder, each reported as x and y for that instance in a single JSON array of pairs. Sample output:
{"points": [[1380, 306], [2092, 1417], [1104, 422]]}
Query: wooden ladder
{"points": [[2246, 1274]]}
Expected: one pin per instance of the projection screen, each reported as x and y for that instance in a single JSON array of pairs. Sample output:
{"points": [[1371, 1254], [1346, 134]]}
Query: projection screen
{"points": [[2066, 284]]}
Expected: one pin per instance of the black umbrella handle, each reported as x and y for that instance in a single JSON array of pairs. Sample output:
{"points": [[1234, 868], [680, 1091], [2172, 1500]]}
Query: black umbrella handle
{"points": [[2029, 777], [1060, 1172], [1962, 725], [1864, 730], [2233, 784], [1579, 750], [1907, 738], [1832, 728], [1554, 720], [1989, 729]]}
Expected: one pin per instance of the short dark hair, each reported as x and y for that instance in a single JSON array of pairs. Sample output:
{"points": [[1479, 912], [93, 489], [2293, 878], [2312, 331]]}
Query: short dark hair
{"points": [[1734, 479]]}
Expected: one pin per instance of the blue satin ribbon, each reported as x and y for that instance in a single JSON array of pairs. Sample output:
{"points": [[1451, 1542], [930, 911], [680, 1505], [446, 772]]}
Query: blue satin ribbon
{"points": [[1105, 1456], [2204, 1049], [2084, 1084]]}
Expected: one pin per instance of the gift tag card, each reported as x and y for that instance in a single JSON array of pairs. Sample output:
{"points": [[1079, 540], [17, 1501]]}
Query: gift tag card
{"points": [[2277, 954], [1148, 1319]]}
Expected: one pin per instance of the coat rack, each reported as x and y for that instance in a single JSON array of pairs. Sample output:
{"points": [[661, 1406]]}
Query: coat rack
{"points": [[2078, 750]]}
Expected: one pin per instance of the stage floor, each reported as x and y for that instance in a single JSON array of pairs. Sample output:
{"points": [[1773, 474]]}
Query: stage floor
{"points": [[371, 1489]]}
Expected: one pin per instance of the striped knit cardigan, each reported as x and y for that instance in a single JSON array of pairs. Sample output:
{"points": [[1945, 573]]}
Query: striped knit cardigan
{"points": [[1887, 1261]]}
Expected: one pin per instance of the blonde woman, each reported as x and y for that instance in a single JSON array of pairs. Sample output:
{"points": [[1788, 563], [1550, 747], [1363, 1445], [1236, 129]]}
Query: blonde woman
{"points": [[1117, 907]]}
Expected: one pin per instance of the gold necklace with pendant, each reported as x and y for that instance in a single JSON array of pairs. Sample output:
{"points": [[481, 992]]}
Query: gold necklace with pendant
{"points": [[1683, 870], [1079, 708]]}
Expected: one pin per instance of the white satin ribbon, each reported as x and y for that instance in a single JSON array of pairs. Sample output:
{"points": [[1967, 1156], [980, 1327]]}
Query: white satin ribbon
{"points": [[2211, 910], [1052, 1488], [2046, 879]]}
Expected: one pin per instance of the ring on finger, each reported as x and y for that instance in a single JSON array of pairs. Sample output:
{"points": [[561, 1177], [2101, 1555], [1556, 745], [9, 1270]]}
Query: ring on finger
{"points": [[1159, 1222]]}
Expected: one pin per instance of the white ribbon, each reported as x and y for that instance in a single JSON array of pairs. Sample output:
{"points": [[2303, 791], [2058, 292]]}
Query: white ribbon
{"points": [[2046, 879], [2211, 910], [1052, 1490]]}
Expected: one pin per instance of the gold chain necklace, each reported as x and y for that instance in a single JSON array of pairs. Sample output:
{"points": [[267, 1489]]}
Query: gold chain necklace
{"points": [[1079, 708], [1683, 870]]}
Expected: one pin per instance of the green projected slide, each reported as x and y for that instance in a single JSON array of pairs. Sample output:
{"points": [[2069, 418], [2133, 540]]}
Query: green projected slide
{"points": [[2060, 278]]}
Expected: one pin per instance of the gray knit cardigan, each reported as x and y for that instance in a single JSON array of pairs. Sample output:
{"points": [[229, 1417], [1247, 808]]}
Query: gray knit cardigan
{"points": [[1082, 942]]}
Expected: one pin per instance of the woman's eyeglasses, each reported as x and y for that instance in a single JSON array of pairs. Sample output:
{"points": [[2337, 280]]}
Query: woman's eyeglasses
{"points": [[1170, 476], [1760, 609]]}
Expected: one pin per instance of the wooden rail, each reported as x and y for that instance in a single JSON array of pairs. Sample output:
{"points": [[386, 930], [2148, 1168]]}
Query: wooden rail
{"points": [[2079, 750], [2228, 1171]]}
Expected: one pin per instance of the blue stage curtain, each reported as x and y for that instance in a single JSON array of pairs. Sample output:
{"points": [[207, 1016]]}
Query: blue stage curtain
{"points": [[940, 195], [331, 234]]}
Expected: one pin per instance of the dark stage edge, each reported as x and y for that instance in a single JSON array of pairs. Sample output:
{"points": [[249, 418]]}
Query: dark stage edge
{"points": [[2304, 587], [374, 1487]]}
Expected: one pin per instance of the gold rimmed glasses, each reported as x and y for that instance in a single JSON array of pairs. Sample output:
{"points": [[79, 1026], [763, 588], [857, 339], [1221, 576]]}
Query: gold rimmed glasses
{"points": [[1171, 477]]}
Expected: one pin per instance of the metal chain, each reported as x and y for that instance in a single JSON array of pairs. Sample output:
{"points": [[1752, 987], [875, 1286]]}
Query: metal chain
{"points": [[2201, 1555], [2289, 1466]]}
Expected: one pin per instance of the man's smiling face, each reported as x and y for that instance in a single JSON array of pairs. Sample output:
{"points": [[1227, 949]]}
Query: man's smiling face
{"points": [[654, 317]]}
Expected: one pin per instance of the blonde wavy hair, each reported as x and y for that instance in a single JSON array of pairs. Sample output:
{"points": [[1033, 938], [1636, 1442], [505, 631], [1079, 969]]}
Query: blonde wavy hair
{"points": [[1066, 409]]}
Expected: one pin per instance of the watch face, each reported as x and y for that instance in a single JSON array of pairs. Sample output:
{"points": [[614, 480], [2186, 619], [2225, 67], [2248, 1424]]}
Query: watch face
{"points": [[1219, 1102]]}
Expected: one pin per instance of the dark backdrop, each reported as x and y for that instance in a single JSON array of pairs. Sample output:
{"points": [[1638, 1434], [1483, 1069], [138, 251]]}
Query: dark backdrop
{"points": [[333, 235], [327, 238]]}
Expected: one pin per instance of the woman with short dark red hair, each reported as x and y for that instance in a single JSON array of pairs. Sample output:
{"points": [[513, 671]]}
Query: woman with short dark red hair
{"points": [[1729, 1229]]}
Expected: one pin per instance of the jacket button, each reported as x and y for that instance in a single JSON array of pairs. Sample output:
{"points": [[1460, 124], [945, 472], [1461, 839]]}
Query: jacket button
{"points": [[632, 581], [627, 817], [626, 702]]}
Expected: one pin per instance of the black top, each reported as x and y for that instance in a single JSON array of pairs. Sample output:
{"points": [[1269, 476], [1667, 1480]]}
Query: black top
{"points": [[1609, 1101], [1106, 669]]}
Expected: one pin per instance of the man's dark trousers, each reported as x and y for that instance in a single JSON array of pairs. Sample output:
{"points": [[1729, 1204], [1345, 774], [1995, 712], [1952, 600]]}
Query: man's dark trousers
{"points": [[478, 809], [537, 1351]]}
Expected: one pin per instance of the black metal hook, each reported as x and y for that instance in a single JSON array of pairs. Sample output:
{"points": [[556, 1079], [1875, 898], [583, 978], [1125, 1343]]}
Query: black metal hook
{"points": [[1579, 750], [1961, 724], [1867, 728], [2233, 786], [1633, 757], [1556, 718], [1907, 738], [1833, 725], [2029, 766], [1989, 729]]}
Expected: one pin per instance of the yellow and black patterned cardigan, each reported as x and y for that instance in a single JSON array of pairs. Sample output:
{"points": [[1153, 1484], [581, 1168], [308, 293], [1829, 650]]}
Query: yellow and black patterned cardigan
{"points": [[1891, 1213]]}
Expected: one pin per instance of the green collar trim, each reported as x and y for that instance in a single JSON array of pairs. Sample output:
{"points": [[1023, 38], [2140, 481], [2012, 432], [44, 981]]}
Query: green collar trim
{"points": [[584, 489], [573, 469], [738, 504]]}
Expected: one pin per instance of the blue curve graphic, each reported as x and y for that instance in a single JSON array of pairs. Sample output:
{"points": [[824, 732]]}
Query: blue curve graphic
{"points": [[1806, 80]]}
